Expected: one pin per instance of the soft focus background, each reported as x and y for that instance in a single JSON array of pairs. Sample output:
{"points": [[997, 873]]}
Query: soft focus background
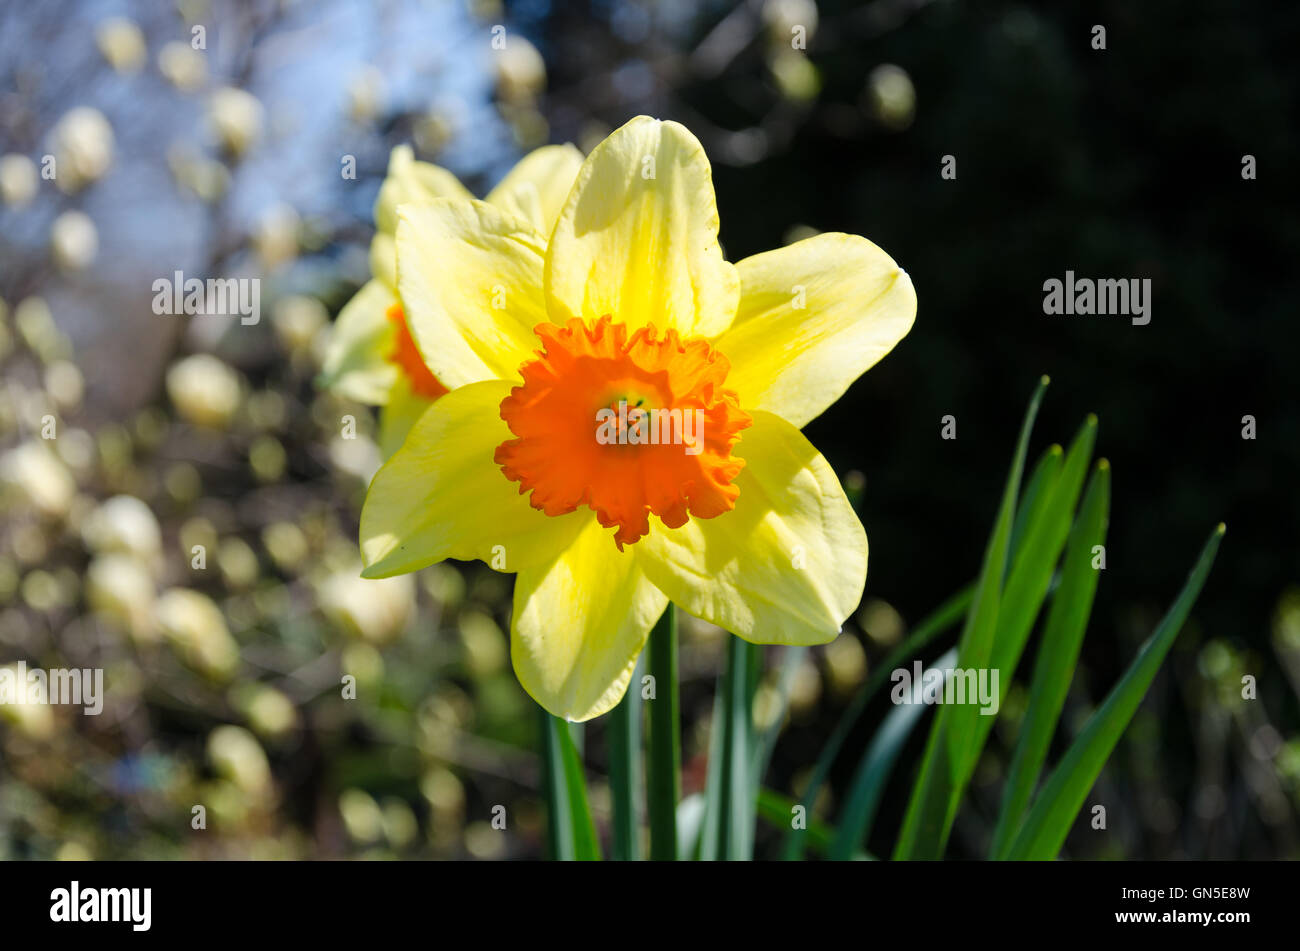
{"points": [[223, 681]]}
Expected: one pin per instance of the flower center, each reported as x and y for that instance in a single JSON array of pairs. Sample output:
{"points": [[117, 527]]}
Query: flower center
{"points": [[407, 357], [626, 424]]}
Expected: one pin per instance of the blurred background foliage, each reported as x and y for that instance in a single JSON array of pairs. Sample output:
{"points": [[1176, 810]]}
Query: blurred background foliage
{"points": [[223, 671]]}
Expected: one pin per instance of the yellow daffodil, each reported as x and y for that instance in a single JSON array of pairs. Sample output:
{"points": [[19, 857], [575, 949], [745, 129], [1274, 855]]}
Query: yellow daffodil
{"points": [[565, 358], [371, 357]]}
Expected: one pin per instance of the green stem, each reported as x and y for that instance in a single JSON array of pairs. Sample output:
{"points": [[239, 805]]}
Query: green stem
{"points": [[737, 800], [559, 822], [624, 769], [570, 832], [665, 749]]}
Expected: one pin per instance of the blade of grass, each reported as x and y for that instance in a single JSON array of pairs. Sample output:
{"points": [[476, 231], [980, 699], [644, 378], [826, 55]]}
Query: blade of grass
{"points": [[1055, 809], [1062, 637], [570, 831], [943, 773], [942, 618], [663, 779], [875, 767], [624, 732]]}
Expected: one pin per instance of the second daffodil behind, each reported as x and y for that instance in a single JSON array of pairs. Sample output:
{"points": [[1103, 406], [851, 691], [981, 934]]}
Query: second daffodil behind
{"points": [[622, 426], [371, 357]]}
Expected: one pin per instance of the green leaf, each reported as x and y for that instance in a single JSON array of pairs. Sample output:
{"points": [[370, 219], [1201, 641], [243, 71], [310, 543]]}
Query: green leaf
{"points": [[570, 831], [1037, 494], [1056, 807], [1062, 637], [1031, 574], [868, 784], [706, 846], [939, 621], [730, 793], [944, 768], [664, 761], [778, 812], [1036, 497]]}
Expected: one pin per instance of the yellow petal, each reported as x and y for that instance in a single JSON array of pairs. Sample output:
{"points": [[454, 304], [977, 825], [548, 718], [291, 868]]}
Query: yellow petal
{"points": [[383, 259], [536, 188], [638, 236], [441, 495], [356, 364], [813, 317], [470, 278], [787, 565], [399, 415], [579, 625], [411, 181]]}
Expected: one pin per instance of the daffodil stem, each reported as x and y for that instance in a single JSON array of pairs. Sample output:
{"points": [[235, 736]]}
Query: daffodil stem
{"points": [[559, 832], [665, 749], [624, 769], [739, 792], [570, 833]]}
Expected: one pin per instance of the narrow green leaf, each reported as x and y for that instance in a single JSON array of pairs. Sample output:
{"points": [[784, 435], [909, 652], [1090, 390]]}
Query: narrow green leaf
{"points": [[1036, 497], [1037, 494], [1031, 574], [706, 847], [664, 764], [943, 775], [939, 621], [730, 795], [570, 831], [1056, 807], [868, 784], [624, 733], [778, 812], [586, 846], [1059, 651]]}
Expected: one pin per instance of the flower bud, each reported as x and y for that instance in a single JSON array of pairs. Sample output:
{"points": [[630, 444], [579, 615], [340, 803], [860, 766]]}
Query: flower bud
{"points": [[374, 610], [18, 180], [83, 148], [204, 390], [196, 629], [122, 44], [236, 117]]}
